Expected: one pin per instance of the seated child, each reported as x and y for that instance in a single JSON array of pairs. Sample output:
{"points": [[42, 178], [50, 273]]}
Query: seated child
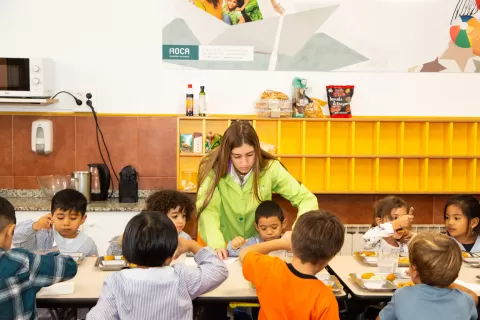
{"points": [[390, 225], [156, 290], [176, 205], [269, 223], [230, 9], [291, 290], [22, 273], [60, 227], [435, 263], [462, 217]]}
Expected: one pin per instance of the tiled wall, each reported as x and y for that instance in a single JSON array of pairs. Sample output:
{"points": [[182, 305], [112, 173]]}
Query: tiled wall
{"points": [[147, 143]]}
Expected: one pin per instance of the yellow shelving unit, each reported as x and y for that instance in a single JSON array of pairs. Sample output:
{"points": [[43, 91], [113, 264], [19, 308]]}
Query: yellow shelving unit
{"points": [[364, 155]]}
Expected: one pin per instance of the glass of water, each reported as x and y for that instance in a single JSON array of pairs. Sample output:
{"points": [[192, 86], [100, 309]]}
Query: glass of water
{"points": [[388, 259]]}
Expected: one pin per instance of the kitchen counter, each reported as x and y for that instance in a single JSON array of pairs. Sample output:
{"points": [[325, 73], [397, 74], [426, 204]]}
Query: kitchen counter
{"points": [[34, 200]]}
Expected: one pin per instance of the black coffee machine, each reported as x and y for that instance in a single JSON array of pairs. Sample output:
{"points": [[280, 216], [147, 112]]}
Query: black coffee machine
{"points": [[99, 181], [128, 188]]}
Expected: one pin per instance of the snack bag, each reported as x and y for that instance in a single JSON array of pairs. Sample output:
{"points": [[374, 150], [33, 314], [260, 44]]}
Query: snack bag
{"points": [[314, 108], [339, 99]]}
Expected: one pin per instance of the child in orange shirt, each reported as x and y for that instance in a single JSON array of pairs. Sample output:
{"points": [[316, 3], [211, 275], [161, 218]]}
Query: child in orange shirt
{"points": [[291, 290]]}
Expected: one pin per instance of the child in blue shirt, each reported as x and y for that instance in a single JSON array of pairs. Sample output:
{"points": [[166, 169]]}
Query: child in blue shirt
{"points": [[435, 261], [269, 223]]}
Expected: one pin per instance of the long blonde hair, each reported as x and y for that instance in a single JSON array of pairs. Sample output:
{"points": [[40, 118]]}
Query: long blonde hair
{"points": [[240, 132]]}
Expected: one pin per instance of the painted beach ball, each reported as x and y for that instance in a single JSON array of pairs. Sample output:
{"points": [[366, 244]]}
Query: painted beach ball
{"points": [[466, 34]]}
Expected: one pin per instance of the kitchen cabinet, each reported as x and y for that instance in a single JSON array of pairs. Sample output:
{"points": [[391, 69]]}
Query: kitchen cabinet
{"points": [[360, 155]]}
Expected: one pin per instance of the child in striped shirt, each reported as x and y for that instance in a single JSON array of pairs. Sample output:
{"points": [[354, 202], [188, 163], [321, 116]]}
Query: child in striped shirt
{"points": [[176, 205], [269, 223], [156, 290]]}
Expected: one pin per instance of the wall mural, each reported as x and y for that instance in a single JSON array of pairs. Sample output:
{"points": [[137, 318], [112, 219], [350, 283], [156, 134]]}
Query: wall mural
{"points": [[323, 35]]}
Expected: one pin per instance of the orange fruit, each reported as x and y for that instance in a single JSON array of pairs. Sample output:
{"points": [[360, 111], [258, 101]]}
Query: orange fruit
{"points": [[465, 254], [109, 258], [367, 275], [406, 284], [391, 277]]}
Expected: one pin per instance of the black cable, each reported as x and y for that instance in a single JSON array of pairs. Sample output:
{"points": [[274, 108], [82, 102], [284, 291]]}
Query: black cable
{"points": [[97, 131], [78, 101]]}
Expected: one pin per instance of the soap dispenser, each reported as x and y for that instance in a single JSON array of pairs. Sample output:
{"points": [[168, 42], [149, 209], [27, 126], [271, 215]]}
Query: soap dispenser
{"points": [[42, 136]]}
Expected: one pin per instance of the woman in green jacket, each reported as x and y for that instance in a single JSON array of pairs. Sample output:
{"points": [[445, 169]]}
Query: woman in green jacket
{"points": [[233, 180]]}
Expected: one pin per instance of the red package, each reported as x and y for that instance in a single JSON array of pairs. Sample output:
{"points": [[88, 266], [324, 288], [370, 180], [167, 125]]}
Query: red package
{"points": [[339, 99]]}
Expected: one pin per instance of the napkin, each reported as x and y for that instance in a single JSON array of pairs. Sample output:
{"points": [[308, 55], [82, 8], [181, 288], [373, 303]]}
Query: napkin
{"points": [[56, 289]]}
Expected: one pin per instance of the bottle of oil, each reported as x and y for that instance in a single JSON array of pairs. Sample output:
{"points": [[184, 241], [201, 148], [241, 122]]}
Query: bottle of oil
{"points": [[202, 102], [189, 102]]}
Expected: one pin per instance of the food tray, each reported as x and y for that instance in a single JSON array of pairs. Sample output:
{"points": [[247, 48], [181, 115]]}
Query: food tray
{"points": [[370, 258], [373, 285], [118, 263], [77, 256], [472, 259], [330, 281]]}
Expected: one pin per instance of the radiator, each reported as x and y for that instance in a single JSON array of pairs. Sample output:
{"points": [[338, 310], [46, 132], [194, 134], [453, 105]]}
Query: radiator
{"points": [[354, 235]]}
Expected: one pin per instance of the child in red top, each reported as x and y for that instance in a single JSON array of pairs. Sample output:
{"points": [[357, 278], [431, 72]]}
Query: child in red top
{"points": [[291, 290]]}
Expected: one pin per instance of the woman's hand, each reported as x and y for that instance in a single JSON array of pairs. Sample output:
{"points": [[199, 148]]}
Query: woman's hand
{"points": [[222, 253], [238, 242]]}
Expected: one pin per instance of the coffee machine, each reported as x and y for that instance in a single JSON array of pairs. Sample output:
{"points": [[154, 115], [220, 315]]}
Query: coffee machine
{"points": [[99, 181]]}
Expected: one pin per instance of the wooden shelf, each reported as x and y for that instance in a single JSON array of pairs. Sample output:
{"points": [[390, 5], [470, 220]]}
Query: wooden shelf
{"points": [[27, 102], [368, 155]]}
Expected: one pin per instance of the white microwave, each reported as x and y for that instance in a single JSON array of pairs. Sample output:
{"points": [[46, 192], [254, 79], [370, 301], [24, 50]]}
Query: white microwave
{"points": [[26, 77]]}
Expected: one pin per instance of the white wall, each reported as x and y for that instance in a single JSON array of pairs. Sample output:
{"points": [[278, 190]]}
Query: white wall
{"points": [[114, 48]]}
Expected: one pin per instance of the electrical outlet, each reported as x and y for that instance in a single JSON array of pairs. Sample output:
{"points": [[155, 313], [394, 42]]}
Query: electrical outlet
{"points": [[82, 95]]}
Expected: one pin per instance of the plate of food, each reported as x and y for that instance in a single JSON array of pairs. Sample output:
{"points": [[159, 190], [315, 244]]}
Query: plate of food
{"points": [[375, 282], [371, 258], [330, 281]]}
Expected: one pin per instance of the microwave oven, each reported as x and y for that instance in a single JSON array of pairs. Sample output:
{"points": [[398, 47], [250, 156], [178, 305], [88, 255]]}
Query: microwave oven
{"points": [[26, 77]]}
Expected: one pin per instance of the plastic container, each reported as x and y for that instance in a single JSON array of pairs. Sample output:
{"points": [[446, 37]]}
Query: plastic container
{"points": [[272, 108]]}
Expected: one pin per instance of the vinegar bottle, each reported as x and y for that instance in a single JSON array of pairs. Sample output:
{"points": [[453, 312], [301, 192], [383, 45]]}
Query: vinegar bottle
{"points": [[189, 102]]}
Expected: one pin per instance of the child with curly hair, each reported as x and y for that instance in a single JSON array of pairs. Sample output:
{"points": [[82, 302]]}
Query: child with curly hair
{"points": [[176, 205]]}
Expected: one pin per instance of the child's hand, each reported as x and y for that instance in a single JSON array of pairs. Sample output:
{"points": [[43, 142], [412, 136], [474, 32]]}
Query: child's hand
{"points": [[403, 221], [238, 242], [222, 253], [183, 246], [45, 222], [406, 236], [287, 239]]}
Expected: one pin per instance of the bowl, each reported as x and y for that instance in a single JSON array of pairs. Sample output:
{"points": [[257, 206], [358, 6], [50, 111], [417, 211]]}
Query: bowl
{"points": [[53, 183]]}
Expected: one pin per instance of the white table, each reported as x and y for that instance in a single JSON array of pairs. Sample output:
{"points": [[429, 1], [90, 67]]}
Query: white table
{"points": [[342, 266], [89, 280]]}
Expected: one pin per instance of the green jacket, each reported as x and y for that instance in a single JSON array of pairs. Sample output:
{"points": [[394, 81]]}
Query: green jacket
{"points": [[231, 211]]}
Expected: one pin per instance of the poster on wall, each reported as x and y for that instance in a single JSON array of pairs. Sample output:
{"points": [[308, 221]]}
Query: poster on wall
{"points": [[322, 35]]}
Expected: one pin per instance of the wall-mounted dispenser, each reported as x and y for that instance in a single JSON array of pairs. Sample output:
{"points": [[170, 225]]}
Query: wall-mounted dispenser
{"points": [[42, 136]]}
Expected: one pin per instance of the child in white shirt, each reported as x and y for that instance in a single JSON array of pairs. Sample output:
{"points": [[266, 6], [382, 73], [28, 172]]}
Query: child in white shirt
{"points": [[390, 225], [59, 229], [156, 290]]}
